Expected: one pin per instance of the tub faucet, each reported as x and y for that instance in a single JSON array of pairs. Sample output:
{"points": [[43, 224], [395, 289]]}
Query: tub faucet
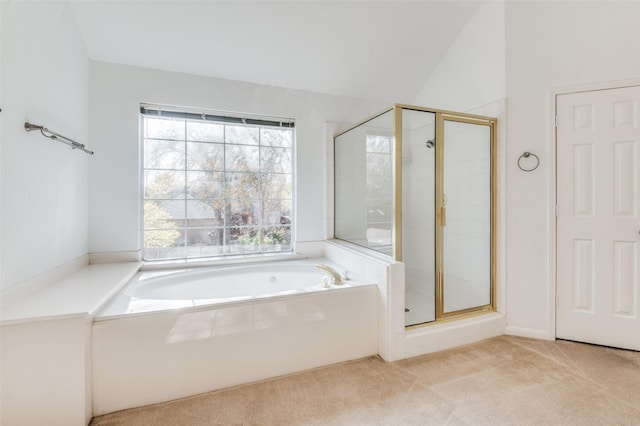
{"points": [[336, 278]]}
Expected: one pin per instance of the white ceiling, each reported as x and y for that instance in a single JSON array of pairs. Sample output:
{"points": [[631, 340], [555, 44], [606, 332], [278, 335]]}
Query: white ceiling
{"points": [[379, 50]]}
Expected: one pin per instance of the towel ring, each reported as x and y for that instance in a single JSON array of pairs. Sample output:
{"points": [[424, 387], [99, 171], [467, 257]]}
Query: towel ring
{"points": [[528, 154]]}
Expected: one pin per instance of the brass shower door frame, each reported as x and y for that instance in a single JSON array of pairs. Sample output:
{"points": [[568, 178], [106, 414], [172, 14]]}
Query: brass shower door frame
{"points": [[441, 117]]}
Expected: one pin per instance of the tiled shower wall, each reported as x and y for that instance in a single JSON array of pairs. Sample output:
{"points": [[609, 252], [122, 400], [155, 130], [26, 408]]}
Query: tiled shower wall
{"points": [[467, 234]]}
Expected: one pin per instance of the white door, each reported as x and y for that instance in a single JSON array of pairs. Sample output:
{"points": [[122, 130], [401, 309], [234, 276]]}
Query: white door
{"points": [[598, 224]]}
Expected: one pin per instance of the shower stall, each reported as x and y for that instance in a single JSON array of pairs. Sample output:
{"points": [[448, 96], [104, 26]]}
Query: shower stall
{"points": [[418, 185]]}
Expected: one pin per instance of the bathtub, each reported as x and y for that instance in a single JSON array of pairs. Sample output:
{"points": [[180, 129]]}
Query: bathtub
{"points": [[158, 291], [172, 334]]}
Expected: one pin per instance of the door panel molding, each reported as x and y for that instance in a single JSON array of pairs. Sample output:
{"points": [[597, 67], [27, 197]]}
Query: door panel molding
{"points": [[601, 226]]}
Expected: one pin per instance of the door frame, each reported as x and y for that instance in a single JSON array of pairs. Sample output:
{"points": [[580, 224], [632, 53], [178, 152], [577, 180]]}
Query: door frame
{"points": [[553, 94], [441, 118]]}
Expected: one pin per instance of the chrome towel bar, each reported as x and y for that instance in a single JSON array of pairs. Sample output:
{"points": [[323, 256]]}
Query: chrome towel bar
{"points": [[56, 137]]}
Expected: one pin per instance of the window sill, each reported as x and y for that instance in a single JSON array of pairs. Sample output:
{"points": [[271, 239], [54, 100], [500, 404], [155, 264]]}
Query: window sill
{"points": [[220, 261]]}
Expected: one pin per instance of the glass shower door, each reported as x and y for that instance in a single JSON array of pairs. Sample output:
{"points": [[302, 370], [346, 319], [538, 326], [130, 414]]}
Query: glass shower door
{"points": [[466, 218]]}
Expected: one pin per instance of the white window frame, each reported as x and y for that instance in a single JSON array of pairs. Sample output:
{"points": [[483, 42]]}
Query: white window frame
{"points": [[225, 250]]}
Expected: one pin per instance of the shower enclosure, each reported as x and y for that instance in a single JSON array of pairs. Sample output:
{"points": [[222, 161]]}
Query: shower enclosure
{"points": [[418, 185]]}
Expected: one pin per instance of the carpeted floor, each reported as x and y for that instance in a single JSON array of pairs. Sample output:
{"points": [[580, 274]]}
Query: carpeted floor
{"points": [[501, 381]]}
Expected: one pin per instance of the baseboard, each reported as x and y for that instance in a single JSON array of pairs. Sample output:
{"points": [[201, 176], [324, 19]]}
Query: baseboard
{"points": [[114, 257], [531, 333]]}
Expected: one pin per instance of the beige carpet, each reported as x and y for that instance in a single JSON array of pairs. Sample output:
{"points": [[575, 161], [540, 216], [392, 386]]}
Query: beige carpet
{"points": [[501, 381]]}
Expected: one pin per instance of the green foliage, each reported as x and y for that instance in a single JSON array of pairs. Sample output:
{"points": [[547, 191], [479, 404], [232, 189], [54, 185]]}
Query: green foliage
{"points": [[276, 236], [271, 237], [156, 218]]}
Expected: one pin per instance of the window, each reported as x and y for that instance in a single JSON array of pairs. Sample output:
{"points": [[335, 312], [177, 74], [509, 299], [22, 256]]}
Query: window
{"points": [[215, 185]]}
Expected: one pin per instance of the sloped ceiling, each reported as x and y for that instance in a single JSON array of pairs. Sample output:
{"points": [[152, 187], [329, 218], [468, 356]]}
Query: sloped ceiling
{"points": [[378, 50]]}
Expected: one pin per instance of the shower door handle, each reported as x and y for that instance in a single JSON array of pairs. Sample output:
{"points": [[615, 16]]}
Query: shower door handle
{"points": [[443, 211]]}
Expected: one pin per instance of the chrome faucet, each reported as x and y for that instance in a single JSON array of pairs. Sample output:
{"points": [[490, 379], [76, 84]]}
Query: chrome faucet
{"points": [[335, 277]]}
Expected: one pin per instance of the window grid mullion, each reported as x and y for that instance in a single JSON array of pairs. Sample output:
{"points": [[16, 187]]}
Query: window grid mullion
{"points": [[186, 218], [261, 231], [225, 192]]}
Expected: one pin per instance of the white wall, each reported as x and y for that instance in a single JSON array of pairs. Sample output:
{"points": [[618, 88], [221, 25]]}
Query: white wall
{"points": [[44, 80], [472, 73], [1, 137], [551, 45], [117, 90]]}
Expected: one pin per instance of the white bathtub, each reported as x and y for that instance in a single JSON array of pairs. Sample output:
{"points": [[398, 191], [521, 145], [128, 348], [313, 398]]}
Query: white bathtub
{"points": [[157, 291], [172, 334]]}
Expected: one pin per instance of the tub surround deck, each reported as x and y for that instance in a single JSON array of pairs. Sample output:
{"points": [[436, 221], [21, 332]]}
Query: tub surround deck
{"points": [[80, 294], [46, 346]]}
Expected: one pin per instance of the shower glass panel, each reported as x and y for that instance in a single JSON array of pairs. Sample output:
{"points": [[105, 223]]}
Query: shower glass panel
{"points": [[364, 208], [418, 215], [467, 227]]}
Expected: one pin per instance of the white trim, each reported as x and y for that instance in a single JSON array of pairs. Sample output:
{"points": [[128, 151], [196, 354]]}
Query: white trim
{"points": [[160, 265], [532, 333], [552, 200], [115, 257], [550, 333], [565, 90]]}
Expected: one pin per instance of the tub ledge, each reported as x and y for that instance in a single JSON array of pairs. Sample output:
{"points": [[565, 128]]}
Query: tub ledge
{"points": [[46, 345]]}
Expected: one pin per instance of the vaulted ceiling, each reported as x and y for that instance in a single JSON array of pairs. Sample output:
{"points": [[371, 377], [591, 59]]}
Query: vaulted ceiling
{"points": [[379, 50]]}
